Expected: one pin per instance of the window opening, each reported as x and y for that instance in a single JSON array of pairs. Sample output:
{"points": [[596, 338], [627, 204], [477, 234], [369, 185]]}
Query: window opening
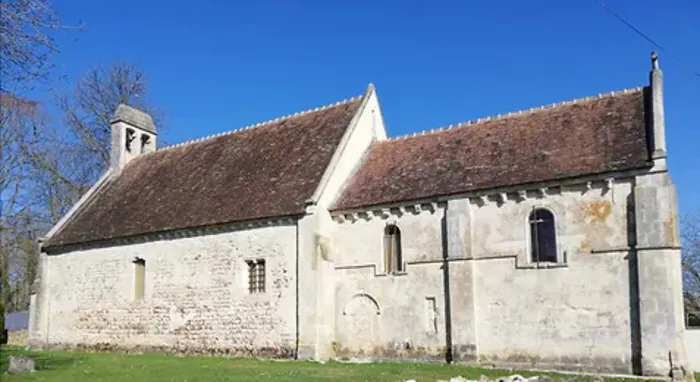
{"points": [[543, 242], [392, 249], [139, 278], [256, 276], [145, 142]]}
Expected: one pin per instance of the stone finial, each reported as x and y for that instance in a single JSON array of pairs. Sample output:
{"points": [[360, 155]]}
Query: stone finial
{"points": [[654, 60], [658, 124], [134, 117]]}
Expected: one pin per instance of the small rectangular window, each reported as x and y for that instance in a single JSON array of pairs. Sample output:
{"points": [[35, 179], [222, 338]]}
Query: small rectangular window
{"points": [[139, 278], [256, 276]]}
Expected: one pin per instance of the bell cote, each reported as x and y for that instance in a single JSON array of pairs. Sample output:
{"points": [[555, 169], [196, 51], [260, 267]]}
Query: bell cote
{"points": [[133, 134]]}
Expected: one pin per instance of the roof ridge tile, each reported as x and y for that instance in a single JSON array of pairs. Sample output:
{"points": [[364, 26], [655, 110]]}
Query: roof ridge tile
{"points": [[259, 124], [515, 113]]}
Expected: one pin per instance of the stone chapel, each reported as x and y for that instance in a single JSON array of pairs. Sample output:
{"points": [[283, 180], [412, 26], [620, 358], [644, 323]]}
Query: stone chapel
{"points": [[545, 238]]}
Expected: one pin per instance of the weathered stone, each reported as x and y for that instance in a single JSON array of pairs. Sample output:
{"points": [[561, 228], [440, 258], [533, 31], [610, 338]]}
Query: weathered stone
{"points": [[20, 364], [468, 276]]}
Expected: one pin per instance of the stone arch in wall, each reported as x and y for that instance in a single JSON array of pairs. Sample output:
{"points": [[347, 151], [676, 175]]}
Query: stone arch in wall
{"points": [[358, 330]]}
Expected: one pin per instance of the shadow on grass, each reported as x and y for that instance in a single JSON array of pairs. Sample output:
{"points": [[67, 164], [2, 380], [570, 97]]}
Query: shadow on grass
{"points": [[44, 360]]}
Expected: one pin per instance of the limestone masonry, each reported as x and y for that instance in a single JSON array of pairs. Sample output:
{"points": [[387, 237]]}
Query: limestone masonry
{"points": [[546, 238]]}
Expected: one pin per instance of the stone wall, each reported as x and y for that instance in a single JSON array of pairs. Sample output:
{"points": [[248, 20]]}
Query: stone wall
{"points": [[316, 290], [17, 337], [561, 318], [468, 292], [196, 295], [488, 302], [692, 342], [380, 315], [574, 314]]}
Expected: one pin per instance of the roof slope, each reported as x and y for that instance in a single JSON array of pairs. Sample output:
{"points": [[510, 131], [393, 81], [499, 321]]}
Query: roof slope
{"points": [[265, 171], [588, 136]]}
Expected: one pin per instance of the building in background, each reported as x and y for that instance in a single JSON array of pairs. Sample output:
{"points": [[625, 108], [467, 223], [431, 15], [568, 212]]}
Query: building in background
{"points": [[17, 326]]}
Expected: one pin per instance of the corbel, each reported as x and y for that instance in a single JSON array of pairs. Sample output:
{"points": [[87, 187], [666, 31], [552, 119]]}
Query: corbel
{"points": [[433, 207]]}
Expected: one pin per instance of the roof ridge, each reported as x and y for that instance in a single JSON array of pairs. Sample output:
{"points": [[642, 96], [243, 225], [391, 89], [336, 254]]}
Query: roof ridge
{"points": [[513, 114], [259, 124]]}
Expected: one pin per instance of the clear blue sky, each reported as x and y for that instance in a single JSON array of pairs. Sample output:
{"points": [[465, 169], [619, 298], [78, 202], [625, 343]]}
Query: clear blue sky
{"points": [[214, 66]]}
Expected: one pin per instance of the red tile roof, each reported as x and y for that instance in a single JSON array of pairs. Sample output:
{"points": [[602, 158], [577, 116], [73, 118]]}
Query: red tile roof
{"points": [[264, 171], [588, 136]]}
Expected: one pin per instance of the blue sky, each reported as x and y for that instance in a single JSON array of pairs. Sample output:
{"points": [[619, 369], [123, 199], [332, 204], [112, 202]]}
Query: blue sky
{"points": [[214, 66]]}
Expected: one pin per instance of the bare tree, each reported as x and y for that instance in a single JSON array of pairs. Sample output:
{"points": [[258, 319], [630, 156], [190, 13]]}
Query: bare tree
{"points": [[690, 234], [87, 112], [25, 44], [17, 133], [49, 167]]}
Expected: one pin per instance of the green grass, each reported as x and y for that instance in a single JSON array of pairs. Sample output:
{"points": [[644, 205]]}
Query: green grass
{"points": [[77, 367]]}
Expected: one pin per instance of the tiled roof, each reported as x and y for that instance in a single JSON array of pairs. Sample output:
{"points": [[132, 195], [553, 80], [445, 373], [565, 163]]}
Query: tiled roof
{"points": [[268, 170], [582, 137]]}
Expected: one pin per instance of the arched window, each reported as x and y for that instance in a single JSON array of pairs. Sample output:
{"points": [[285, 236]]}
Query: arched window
{"points": [[543, 240], [392, 249]]}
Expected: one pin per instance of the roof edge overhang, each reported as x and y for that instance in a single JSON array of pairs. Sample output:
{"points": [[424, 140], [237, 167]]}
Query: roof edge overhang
{"points": [[83, 202], [175, 233], [551, 183]]}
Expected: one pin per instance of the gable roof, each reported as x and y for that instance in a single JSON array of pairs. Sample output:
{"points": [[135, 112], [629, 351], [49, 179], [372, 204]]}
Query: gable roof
{"points": [[268, 170], [582, 137]]}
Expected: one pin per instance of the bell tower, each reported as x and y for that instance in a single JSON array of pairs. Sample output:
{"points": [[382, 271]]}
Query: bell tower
{"points": [[133, 134]]}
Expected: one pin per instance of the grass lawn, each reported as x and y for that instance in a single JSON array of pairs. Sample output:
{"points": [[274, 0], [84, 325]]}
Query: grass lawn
{"points": [[77, 367]]}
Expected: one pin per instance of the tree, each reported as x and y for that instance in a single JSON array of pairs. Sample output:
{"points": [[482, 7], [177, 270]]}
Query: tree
{"points": [[18, 125], [690, 236], [25, 45], [80, 148], [48, 166]]}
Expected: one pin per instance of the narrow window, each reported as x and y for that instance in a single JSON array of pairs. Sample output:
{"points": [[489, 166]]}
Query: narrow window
{"points": [[256, 276], [145, 142], [431, 311], [139, 278], [392, 249], [130, 136], [543, 242]]}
